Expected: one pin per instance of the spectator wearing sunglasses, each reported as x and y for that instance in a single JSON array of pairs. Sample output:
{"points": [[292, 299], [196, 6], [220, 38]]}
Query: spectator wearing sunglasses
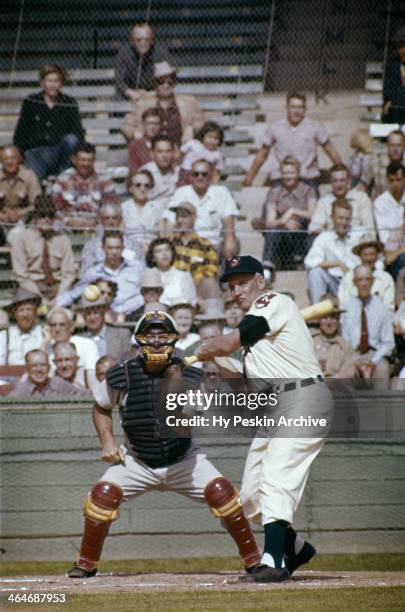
{"points": [[141, 215], [216, 209], [181, 115]]}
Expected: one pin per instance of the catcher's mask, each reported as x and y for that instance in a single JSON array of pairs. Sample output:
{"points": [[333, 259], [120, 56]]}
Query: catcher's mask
{"points": [[156, 334]]}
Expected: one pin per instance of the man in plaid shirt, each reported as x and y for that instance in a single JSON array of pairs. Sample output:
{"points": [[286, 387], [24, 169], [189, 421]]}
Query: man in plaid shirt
{"points": [[79, 191], [193, 253]]}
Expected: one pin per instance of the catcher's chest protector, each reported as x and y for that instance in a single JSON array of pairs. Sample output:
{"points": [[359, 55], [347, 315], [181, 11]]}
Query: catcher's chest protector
{"points": [[144, 411]]}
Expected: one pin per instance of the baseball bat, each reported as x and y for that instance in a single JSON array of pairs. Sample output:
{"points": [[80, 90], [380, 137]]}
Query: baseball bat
{"points": [[320, 309]]}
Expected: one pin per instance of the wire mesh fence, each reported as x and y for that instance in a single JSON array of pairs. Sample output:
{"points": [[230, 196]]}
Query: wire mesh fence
{"points": [[51, 459]]}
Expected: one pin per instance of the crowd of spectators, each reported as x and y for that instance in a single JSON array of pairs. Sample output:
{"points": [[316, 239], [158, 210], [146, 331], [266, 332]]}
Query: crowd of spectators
{"points": [[161, 246]]}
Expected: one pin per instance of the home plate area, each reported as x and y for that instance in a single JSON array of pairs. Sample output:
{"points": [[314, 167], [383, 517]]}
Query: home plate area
{"points": [[222, 581]]}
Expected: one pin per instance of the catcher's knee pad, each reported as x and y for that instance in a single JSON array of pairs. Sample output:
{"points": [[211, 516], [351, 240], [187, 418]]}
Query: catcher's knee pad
{"points": [[223, 499], [103, 502]]}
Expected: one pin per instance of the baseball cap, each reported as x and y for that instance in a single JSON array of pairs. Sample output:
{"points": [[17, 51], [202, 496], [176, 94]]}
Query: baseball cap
{"points": [[188, 206], [245, 264]]}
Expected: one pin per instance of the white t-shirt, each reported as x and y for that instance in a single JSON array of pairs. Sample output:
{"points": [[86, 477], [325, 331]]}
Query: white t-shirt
{"points": [[212, 209], [178, 286], [287, 350]]}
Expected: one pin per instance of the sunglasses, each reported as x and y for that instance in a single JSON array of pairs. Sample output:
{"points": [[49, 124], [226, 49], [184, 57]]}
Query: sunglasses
{"points": [[183, 212], [168, 79], [203, 174], [146, 185]]}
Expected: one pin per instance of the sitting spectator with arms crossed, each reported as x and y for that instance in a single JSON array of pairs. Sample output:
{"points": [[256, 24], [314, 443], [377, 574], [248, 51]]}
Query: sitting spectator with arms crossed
{"points": [[216, 209], [181, 115], [126, 274], [24, 334], [367, 325], [177, 284], [109, 218], [49, 127], [79, 191], [195, 254], [134, 62], [295, 135], [383, 285], [362, 211], [18, 187], [67, 366], [38, 381], [140, 149], [330, 255], [205, 145], [42, 258], [289, 206]]}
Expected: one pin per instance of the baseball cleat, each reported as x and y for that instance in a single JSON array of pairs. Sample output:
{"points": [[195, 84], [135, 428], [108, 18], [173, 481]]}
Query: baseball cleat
{"points": [[305, 555], [80, 572], [265, 573]]}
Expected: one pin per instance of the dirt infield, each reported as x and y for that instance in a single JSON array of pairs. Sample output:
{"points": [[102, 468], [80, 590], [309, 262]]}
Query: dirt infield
{"points": [[180, 582]]}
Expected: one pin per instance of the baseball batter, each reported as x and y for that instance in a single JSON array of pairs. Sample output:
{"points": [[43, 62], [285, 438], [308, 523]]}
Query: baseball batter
{"points": [[147, 460], [277, 346]]}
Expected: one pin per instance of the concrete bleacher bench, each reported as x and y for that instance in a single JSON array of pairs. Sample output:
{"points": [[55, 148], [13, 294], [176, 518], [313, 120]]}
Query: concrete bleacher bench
{"points": [[107, 74], [381, 130]]}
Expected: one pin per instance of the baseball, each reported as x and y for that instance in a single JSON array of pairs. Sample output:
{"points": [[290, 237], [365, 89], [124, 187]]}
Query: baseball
{"points": [[92, 293]]}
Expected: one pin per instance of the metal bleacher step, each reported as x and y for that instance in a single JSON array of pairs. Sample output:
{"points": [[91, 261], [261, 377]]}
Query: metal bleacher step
{"points": [[107, 74]]}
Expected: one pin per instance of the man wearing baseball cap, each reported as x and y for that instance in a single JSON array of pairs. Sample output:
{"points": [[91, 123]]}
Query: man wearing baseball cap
{"points": [[149, 459], [193, 253], [278, 348]]}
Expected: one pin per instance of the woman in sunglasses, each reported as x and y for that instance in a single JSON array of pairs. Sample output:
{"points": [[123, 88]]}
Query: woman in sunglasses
{"points": [[140, 215]]}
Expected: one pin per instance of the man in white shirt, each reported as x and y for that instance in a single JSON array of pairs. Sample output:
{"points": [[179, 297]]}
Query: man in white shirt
{"points": [[389, 209], [24, 334], [330, 255], [362, 211], [162, 168], [216, 209], [295, 135], [383, 284], [60, 329]]}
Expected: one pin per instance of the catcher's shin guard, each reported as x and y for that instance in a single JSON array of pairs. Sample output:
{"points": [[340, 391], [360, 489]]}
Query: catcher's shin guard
{"points": [[222, 498], [100, 510]]}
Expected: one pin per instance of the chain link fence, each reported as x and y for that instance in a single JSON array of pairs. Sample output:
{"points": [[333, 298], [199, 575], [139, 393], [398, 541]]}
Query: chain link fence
{"points": [[50, 459]]}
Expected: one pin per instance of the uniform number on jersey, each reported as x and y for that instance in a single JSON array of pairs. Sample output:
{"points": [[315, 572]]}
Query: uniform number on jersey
{"points": [[264, 299]]}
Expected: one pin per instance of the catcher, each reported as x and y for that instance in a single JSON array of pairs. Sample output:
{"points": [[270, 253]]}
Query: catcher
{"points": [[146, 460]]}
